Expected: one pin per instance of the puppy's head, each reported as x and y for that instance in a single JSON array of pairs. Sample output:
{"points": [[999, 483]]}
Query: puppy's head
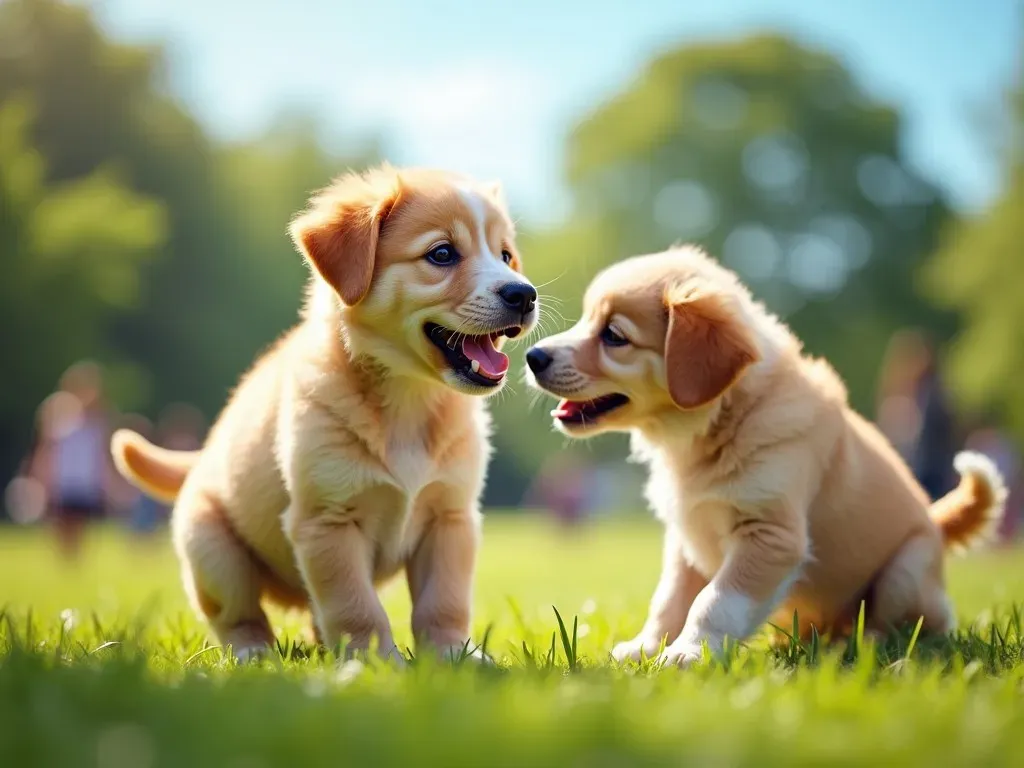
{"points": [[659, 334], [425, 269]]}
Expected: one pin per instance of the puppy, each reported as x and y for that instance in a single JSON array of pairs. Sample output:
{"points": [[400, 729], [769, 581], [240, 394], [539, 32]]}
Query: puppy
{"points": [[357, 446], [776, 496]]}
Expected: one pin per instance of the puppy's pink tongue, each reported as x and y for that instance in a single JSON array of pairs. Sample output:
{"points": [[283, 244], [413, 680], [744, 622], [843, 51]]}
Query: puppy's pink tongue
{"points": [[493, 363]]}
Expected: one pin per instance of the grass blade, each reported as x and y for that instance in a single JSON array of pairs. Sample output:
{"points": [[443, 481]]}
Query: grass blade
{"points": [[568, 646], [858, 637], [795, 645], [528, 654], [197, 654], [104, 646], [575, 622], [913, 638]]}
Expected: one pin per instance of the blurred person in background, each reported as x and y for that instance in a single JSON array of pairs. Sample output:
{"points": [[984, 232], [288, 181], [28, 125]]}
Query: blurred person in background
{"points": [[998, 446], [562, 487], [914, 411], [78, 469], [25, 498]]}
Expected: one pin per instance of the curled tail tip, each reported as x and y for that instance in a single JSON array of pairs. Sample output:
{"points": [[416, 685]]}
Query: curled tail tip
{"points": [[984, 470], [157, 472], [122, 438], [982, 498], [122, 443], [974, 462]]}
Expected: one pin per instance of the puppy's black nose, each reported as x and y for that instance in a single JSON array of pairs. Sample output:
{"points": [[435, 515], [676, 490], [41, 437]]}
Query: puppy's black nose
{"points": [[522, 297], [538, 360]]}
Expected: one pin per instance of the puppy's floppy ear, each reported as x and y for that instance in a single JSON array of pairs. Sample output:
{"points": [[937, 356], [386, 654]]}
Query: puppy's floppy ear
{"points": [[338, 234], [708, 345]]}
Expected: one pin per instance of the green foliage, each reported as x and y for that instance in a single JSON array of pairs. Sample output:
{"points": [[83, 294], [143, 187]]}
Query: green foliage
{"points": [[264, 183], [108, 668], [72, 255], [979, 272], [136, 238]]}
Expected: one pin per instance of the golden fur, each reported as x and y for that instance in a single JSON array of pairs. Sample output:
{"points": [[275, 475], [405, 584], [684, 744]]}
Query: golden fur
{"points": [[776, 496], [353, 449]]}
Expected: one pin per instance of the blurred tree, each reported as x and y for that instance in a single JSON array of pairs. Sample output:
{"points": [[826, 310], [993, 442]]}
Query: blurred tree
{"points": [[770, 156], [104, 105], [979, 271], [266, 181], [226, 279], [72, 252]]}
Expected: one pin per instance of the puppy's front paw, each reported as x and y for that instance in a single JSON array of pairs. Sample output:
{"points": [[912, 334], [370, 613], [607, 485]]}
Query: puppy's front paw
{"points": [[638, 648], [681, 654]]}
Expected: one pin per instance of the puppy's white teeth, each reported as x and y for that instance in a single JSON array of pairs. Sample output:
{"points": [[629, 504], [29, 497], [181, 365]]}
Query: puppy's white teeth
{"points": [[474, 366]]}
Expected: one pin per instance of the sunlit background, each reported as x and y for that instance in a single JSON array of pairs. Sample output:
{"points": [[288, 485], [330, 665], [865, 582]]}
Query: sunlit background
{"points": [[859, 164]]}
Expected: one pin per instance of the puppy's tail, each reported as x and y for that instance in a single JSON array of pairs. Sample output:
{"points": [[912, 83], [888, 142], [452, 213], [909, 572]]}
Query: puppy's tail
{"points": [[155, 471], [970, 513]]}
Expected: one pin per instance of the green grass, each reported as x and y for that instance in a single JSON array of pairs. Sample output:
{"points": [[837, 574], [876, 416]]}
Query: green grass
{"points": [[102, 664]]}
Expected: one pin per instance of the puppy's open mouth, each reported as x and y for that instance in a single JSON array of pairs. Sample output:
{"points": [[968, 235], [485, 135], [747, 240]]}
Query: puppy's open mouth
{"points": [[475, 358], [582, 411]]}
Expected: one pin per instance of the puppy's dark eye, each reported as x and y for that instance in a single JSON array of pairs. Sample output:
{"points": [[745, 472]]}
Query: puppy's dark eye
{"points": [[613, 338], [506, 257], [443, 255]]}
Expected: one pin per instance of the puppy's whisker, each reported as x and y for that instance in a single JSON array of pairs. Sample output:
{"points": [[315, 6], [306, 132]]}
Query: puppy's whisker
{"points": [[508, 391], [543, 328], [548, 314], [455, 334], [543, 321], [548, 299], [535, 398], [553, 279], [552, 313]]}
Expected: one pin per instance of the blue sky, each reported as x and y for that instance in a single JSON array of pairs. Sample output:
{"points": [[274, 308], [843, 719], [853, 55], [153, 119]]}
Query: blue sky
{"points": [[493, 88]]}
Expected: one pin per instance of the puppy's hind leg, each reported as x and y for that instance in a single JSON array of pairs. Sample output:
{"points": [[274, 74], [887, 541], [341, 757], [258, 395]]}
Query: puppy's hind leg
{"points": [[220, 576], [911, 586]]}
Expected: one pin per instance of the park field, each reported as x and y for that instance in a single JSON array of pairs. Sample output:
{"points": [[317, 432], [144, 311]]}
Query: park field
{"points": [[102, 664]]}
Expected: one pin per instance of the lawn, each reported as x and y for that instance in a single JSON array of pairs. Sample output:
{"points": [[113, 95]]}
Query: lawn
{"points": [[102, 664]]}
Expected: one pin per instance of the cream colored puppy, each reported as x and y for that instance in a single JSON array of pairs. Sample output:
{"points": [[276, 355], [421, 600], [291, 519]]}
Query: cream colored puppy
{"points": [[357, 446], [776, 496]]}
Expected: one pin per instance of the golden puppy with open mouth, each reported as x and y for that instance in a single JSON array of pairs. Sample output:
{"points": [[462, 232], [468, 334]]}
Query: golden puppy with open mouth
{"points": [[357, 446], [775, 495]]}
